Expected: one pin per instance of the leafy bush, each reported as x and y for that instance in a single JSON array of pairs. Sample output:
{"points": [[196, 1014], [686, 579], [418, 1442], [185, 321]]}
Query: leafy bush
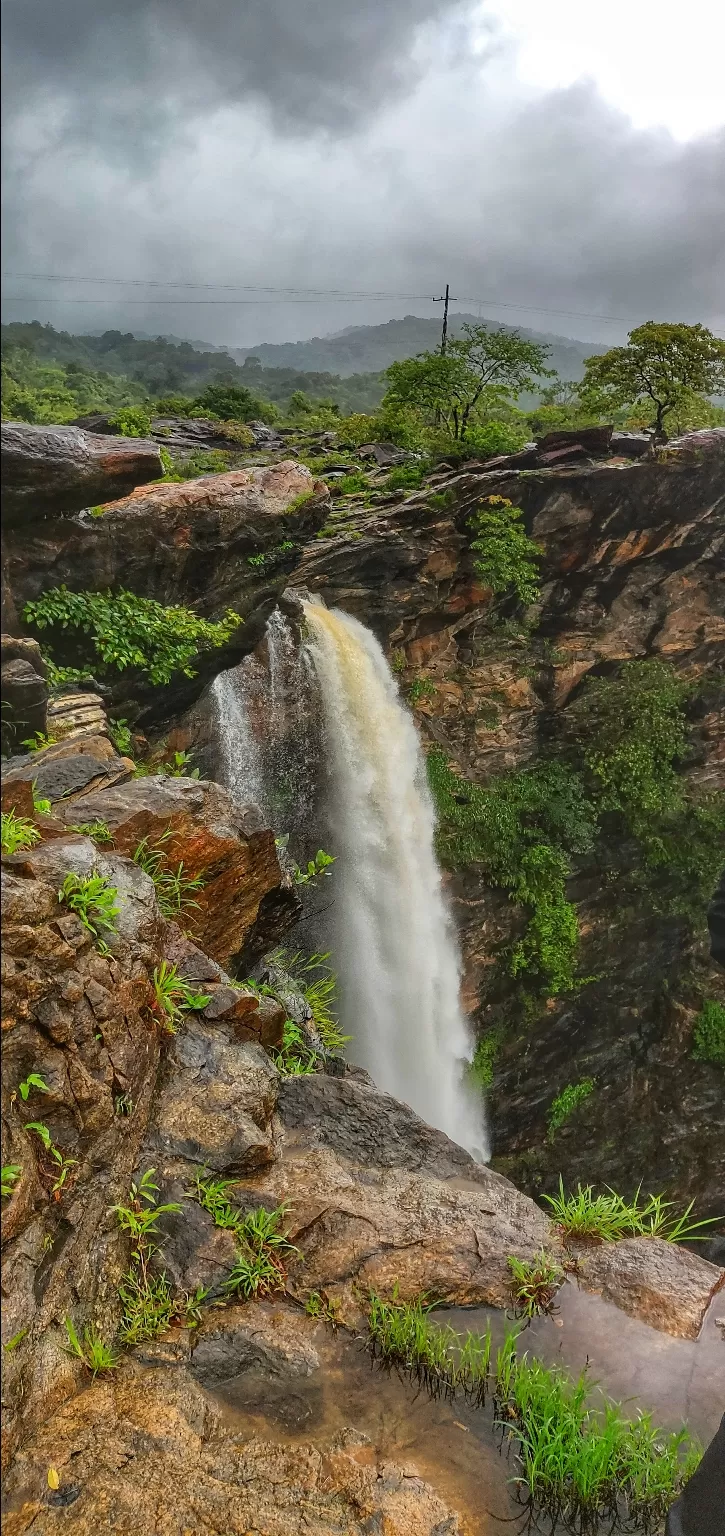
{"points": [[522, 830], [481, 1068], [16, 832], [566, 1102], [407, 477], [128, 631], [233, 402], [709, 1034], [132, 421], [507, 560]]}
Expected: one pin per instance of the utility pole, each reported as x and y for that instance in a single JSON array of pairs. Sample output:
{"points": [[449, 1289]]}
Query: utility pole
{"points": [[444, 300]]}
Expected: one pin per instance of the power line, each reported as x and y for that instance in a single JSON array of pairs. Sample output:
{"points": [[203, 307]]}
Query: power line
{"points": [[294, 295]]}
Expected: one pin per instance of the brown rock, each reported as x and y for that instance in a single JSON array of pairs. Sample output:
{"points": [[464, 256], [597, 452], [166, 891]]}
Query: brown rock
{"points": [[48, 470], [146, 1452], [245, 901], [662, 1283]]}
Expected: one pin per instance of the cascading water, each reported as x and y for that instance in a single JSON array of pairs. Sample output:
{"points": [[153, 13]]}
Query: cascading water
{"points": [[394, 947]]}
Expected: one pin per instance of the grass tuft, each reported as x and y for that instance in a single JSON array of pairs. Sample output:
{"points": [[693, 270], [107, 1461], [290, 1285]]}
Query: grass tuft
{"points": [[609, 1216]]}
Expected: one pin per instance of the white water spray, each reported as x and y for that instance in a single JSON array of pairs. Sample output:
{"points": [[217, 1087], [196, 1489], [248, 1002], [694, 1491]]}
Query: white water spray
{"points": [[395, 949]]}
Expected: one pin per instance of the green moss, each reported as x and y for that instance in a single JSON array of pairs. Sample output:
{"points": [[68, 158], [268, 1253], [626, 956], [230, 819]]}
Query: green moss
{"points": [[566, 1103], [708, 1041]]}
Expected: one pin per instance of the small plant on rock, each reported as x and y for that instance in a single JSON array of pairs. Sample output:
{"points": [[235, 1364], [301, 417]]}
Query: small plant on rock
{"points": [[294, 1058], [608, 1217], [259, 1268], [17, 833], [173, 996], [173, 886], [328, 1308], [421, 688], [316, 868], [565, 1104], [60, 1167], [534, 1284], [507, 560], [120, 734], [98, 831], [93, 900], [149, 1305], [33, 1080], [10, 1174], [95, 1355]]}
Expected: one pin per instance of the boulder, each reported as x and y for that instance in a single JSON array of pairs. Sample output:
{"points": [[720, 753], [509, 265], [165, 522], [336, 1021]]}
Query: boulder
{"points": [[594, 441], [246, 903], [148, 1450], [50, 470], [67, 771], [23, 691], [216, 1102], [662, 1283]]}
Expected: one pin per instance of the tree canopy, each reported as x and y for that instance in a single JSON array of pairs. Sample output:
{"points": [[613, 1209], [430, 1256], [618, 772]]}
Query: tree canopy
{"points": [[479, 365], [661, 367]]}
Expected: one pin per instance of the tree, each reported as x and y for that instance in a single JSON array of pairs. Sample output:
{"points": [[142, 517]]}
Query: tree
{"points": [[494, 365], [661, 367]]}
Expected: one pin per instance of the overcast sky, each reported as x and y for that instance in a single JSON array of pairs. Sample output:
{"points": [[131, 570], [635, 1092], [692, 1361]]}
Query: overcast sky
{"points": [[565, 160]]}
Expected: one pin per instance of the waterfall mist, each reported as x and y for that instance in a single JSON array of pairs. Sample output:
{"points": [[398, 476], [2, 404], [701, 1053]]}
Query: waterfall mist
{"points": [[394, 946]]}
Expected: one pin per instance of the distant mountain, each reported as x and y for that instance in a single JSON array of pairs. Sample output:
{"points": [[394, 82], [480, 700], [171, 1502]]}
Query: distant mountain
{"points": [[370, 348]]}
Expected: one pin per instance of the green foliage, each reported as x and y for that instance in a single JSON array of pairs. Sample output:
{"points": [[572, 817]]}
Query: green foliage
{"points": [[132, 421], [407, 477], [316, 868], [233, 402], [660, 367], [42, 391], [179, 766], [173, 885], [259, 1268], [313, 977], [17, 833], [534, 1284], [128, 631], [121, 736], [93, 900], [270, 559], [95, 1355], [327, 1308], [580, 1462], [563, 1106], [10, 1174], [173, 996], [398, 661], [16, 1340], [99, 831], [421, 688], [149, 1306], [507, 560], [39, 741], [61, 1165], [708, 1040], [33, 1080], [610, 1217], [482, 1066], [294, 1058], [481, 366], [631, 733], [522, 830]]}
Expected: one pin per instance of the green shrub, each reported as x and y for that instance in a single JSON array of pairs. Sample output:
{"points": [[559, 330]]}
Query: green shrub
{"points": [[566, 1102], [507, 560], [709, 1034], [522, 830], [132, 421], [123, 631], [481, 1068], [407, 477]]}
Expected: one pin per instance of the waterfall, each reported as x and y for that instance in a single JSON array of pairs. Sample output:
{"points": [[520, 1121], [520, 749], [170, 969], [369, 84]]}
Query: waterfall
{"points": [[395, 950], [265, 722]]}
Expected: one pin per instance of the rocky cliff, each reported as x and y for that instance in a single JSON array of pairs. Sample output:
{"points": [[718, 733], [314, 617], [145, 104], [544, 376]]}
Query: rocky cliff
{"points": [[138, 1046]]}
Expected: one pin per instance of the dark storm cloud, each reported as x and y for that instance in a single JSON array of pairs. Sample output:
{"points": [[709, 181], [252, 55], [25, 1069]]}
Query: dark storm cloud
{"points": [[330, 143], [311, 61]]}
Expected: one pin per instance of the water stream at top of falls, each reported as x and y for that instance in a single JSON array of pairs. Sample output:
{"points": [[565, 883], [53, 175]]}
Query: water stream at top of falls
{"points": [[394, 946]]}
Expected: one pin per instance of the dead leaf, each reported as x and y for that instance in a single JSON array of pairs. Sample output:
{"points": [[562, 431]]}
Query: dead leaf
{"points": [[53, 1478]]}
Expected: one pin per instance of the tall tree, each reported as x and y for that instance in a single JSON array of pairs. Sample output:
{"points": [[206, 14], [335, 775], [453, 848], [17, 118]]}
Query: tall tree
{"points": [[495, 364], [661, 366]]}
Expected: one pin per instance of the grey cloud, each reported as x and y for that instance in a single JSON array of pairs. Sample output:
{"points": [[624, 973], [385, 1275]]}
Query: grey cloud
{"points": [[553, 200], [311, 62]]}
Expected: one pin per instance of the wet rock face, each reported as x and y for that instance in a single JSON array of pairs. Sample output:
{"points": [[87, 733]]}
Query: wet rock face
{"points": [[51, 470], [23, 691]]}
